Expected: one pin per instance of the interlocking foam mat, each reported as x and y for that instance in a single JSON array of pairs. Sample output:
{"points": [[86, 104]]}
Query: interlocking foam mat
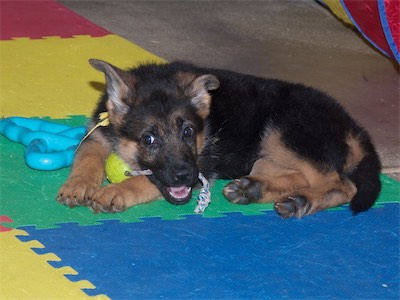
{"points": [[156, 250]]}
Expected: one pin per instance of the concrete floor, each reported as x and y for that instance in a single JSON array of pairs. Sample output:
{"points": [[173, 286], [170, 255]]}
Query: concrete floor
{"points": [[297, 40]]}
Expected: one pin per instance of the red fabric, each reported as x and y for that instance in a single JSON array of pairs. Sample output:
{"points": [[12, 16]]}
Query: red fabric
{"points": [[37, 19], [366, 14], [392, 10]]}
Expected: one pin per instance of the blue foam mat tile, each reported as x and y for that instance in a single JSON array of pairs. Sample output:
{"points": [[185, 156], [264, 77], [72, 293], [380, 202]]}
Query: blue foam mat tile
{"points": [[328, 255]]}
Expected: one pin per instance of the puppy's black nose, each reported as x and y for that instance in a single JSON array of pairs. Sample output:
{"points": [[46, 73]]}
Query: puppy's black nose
{"points": [[181, 176]]}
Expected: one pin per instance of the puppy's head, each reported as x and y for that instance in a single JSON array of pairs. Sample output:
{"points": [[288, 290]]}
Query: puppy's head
{"points": [[158, 113]]}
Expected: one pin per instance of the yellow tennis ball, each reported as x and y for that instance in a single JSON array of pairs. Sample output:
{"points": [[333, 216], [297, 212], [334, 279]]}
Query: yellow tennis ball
{"points": [[115, 168]]}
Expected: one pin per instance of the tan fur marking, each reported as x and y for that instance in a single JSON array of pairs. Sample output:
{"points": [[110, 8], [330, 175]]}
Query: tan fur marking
{"points": [[127, 149], [200, 137], [87, 172], [195, 88], [274, 150], [200, 142], [98, 137], [120, 196], [284, 174], [202, 102], [356, 153], [340, 193], [114, 117], [173, 116], [184, 79], [89, 160]]}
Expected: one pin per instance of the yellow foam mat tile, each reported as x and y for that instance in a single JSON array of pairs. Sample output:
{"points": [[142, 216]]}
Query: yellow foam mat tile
{"points": [[52, 76], [27, 275]]}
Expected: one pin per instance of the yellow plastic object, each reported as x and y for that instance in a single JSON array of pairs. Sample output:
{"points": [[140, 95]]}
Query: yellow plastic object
{"points": [[27, 275], [115, 169], [52, 76], [337, 8]]}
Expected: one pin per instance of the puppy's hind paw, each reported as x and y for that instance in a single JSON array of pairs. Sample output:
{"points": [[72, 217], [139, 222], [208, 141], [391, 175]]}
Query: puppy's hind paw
{"points": [[243, 191], [293, 206]]}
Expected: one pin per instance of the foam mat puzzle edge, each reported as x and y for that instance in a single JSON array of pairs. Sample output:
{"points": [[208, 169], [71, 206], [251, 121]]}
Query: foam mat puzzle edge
{"points": [[5, 219], [192, 258], [26, 275], [21, 18]]}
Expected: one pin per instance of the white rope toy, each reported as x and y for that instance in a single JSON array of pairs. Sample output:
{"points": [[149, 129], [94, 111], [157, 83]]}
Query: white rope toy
{"points": [[139, 173], [204, 198]]}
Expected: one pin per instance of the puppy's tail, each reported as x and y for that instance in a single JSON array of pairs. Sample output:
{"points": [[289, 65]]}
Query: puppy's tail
{"points": [[366, 178]]}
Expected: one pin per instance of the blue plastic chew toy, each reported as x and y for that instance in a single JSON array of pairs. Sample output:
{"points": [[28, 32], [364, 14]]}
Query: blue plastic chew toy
{"points": [[49, 146]]}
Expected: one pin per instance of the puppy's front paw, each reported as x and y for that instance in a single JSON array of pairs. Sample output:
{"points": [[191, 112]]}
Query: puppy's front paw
{"points": [[112, 198], [77, 191], [243, 191]]}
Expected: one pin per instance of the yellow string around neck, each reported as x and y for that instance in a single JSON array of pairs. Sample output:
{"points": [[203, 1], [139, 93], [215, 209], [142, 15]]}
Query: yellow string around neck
{"points": [[104, 121]]}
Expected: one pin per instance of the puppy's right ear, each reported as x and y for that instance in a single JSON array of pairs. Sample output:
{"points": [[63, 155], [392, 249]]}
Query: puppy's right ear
{"points": [[119, 85], [198, 91]]}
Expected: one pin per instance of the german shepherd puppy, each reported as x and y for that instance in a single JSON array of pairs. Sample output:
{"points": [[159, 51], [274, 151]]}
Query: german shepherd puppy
{"points": [[279, 142]]}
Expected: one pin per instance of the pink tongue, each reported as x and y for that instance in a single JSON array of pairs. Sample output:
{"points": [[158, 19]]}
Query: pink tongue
{"points": [[179, 192]]}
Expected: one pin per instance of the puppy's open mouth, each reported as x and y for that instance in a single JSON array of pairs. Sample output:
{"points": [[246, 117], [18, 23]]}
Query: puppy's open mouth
{"points": [[178, 194]]}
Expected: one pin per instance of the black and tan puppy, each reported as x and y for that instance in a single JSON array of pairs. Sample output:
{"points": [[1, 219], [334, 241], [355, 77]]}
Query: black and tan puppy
{"points": [[279, 142]]}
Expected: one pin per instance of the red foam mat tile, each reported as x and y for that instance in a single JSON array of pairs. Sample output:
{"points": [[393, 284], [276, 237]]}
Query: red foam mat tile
{"points": [[36, 19], [5, 219]]}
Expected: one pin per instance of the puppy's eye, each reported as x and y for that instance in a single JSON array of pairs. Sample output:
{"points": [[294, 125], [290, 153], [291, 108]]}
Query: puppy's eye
{"points": [[188, 132], [148, 139]]}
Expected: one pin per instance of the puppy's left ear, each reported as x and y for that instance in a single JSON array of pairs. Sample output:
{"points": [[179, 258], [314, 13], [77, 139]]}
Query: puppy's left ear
{"points": [[120, 85], [199, 89]]}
